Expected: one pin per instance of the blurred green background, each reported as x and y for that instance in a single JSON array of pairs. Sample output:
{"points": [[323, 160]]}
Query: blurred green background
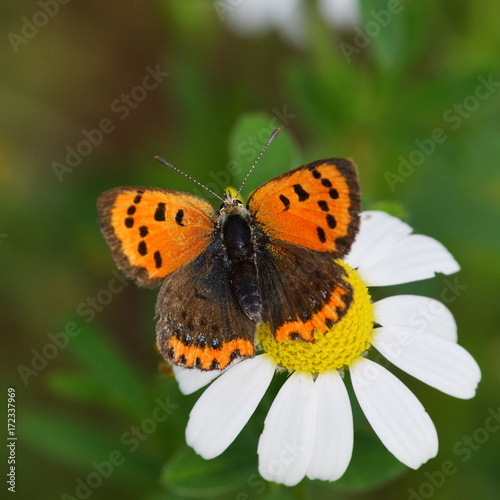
{"points": [[410, 91]]}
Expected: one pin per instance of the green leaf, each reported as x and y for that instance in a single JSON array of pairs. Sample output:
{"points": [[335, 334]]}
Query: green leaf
{"points": [[79, 445], [277, 492], [371, 465], [391, 207], [77, 387], [248, 138], [189, 475], [111, 370]]}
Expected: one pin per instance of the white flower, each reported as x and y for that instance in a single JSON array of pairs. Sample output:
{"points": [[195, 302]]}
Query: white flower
{"points": [[253, 17], [309, 428]]}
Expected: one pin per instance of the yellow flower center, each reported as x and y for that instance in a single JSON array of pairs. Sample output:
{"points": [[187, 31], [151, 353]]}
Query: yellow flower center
{"points": [[335, 348]]}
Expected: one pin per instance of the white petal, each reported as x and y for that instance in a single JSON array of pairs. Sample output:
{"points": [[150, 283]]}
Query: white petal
{"points": [[288, 16], [246, 17], [415, 257], [341, 13], [191, 379], [253, 17], [378, 232], [226, 406], [438, 362], [396, 415], [286, 444], [334, 429], [415, 311]]}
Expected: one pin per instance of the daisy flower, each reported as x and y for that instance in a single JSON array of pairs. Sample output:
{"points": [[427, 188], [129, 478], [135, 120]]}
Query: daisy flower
{"points": [[308, 430], [287, 17]]}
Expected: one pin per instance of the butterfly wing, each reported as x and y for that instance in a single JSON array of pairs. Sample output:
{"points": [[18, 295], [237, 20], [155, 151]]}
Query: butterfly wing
{"points": [[201, 325], [302, 290], [307, 218], [152, 232], [315, 206]]}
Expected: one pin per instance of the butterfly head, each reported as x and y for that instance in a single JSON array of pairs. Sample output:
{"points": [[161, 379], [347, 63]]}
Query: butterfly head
{"points": [[232, 205]]}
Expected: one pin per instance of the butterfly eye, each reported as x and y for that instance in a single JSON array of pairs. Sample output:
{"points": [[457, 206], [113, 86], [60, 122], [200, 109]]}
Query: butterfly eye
{"points": [[230, 202]]}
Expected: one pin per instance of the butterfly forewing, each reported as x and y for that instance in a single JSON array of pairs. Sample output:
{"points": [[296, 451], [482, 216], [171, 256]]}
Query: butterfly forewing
{"points": [[152, 232], [315, 206]]}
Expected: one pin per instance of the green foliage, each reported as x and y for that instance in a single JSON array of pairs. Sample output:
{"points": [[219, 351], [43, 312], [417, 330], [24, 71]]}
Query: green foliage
{"points": [[250, 134], [190, 476], [108, 378]]}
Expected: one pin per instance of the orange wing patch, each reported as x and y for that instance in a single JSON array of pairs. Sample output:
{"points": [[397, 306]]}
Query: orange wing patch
{"points": [[152, 232], [325, 318], [315, 206], [206, 358]]}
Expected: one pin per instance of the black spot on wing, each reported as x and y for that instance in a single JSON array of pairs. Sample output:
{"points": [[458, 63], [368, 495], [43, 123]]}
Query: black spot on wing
{"points": [[323, 205], [143, 231], [329, 322], [285, 201], [160, 212], [131, 210], [302, 194], [142, 248], [129, 222], [334, 194], [330, 220], [179, 216], [321, 234], [158, 259]]}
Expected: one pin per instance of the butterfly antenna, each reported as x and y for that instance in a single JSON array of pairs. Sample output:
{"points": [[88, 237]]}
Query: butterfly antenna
{"points": [[268, 143], [165, 162]]}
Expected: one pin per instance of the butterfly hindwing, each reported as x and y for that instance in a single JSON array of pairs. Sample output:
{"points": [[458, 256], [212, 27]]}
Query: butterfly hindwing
{"points": [[314, 206], [302, 290], [200, 324], [152, 232]]}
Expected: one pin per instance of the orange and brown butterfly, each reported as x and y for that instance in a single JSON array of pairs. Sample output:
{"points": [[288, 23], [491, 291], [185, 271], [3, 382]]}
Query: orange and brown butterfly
{"points": [[226, 271]]}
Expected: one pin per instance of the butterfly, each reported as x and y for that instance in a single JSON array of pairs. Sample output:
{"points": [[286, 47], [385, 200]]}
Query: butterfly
{"points": [[226, 271]]}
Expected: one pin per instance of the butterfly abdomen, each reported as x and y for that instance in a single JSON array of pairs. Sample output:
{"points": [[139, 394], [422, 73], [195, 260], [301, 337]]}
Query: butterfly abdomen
{"points": [[237, 238]]}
